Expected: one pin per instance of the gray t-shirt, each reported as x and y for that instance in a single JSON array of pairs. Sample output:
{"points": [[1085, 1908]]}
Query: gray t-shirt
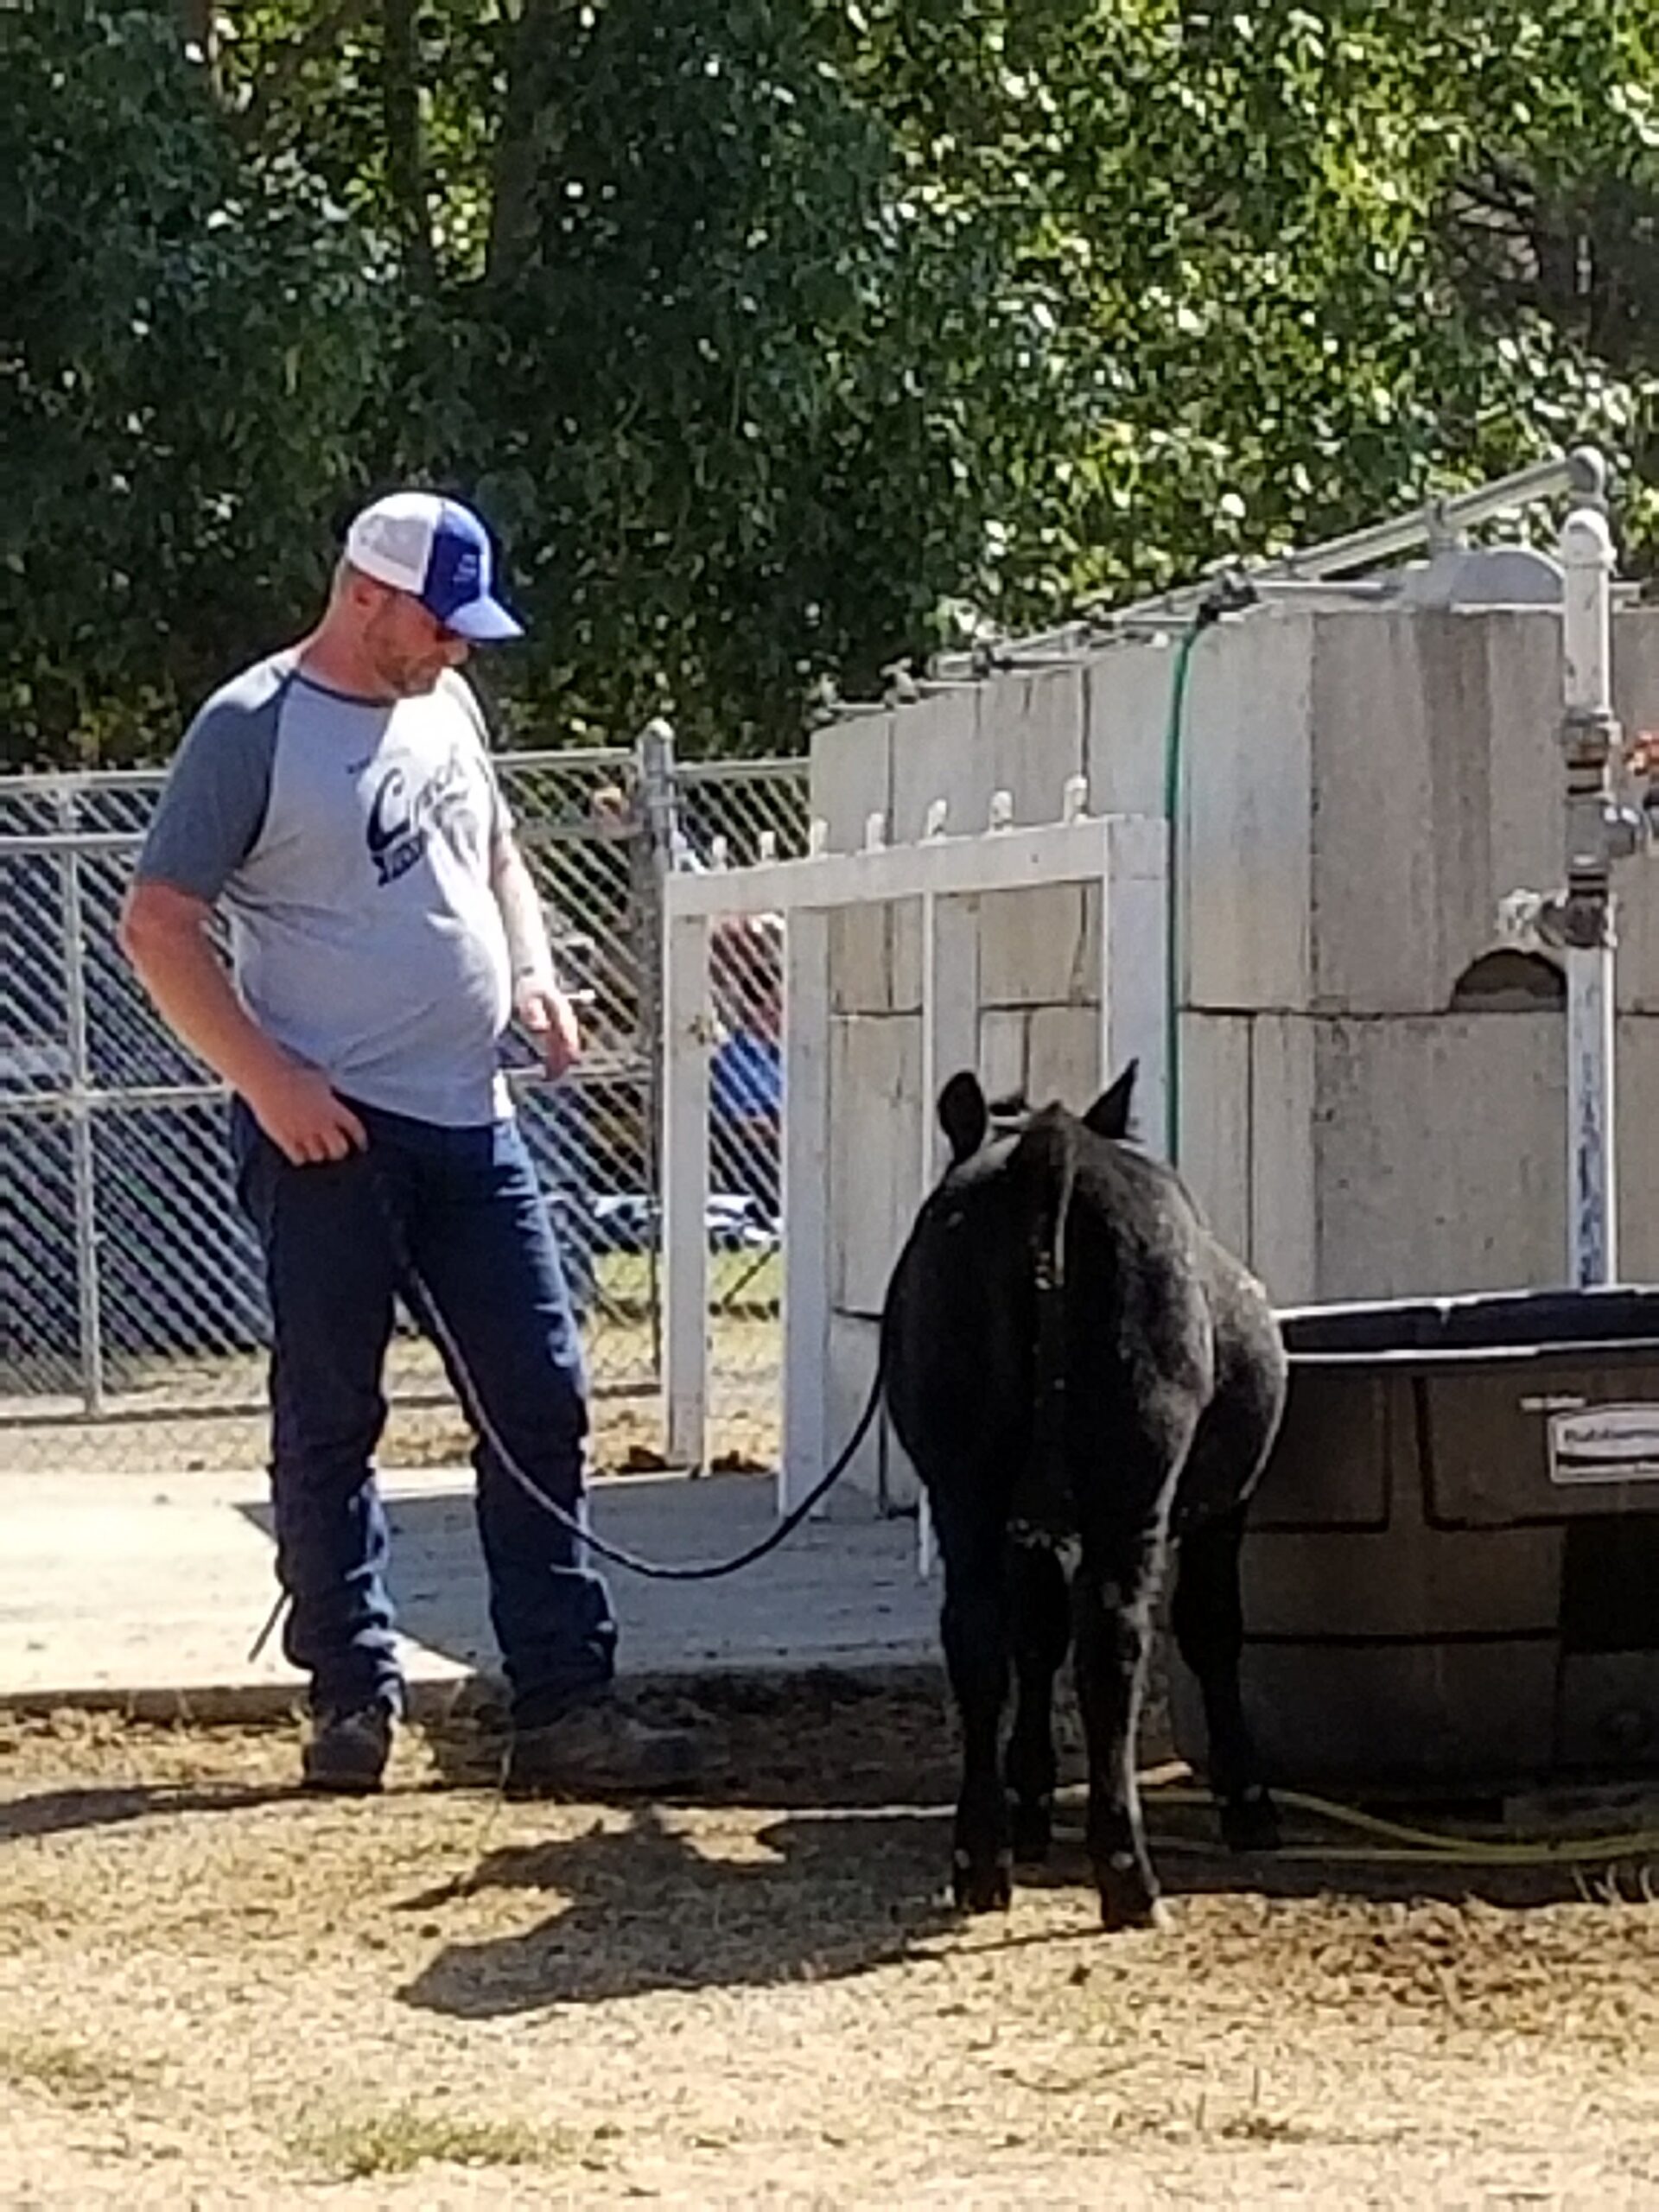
{"points": [[349, 845]]}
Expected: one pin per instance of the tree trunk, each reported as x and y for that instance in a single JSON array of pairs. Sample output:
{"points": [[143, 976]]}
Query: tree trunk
{"points": [[198, 22], [400, 94], [520, 140]]}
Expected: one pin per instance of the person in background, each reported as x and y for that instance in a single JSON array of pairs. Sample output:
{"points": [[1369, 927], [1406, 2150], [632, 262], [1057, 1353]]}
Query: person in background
{"points": [[337, 804], [746, 1080]]}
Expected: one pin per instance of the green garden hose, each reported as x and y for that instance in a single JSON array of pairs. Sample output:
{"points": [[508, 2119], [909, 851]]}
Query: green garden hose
{"points": [[1398, 1844], [1175, 747]]}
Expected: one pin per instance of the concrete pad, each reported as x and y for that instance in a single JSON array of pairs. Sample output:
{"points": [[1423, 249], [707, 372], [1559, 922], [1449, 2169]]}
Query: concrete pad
{"points": [[147, 1592]]}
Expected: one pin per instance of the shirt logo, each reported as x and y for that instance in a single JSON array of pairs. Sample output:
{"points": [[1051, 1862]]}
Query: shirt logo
{"points": [[401, 820]]}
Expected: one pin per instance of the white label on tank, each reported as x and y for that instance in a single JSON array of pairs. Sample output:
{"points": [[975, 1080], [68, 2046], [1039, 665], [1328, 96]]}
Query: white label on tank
{"points": [[1605, 1443]]}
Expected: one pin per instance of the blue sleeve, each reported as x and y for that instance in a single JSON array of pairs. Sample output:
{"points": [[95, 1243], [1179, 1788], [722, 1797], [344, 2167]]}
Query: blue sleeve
{"points": [[213, 805]]}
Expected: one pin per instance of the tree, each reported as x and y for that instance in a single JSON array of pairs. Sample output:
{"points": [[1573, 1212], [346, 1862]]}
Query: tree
{"points": [[791, 334], [196, 343], [782, 338]]}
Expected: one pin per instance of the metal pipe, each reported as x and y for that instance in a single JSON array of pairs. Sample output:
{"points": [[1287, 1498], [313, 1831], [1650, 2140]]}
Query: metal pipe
{"points": [[1436, 522], [1589, 740]]}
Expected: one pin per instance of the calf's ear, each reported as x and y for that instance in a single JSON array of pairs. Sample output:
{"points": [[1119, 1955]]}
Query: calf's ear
{"points": [[1111, 1116], [964, 1115]]}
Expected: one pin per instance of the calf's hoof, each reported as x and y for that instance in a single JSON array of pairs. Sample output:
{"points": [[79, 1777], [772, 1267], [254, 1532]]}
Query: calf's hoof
{"points": [[1033, 1827], [1249, 1821], [1128, 1898], [983, 1885]]}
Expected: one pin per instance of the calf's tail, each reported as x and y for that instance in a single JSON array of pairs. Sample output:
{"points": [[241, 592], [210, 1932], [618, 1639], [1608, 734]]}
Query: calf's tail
{"points": [[1048, 1162]]}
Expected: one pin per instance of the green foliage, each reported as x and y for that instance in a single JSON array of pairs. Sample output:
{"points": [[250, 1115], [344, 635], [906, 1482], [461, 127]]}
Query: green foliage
{"points": [[781, 338], [195, 342], [693, 377]]}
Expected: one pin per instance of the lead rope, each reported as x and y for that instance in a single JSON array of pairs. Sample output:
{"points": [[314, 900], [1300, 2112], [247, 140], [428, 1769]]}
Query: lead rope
{"points": [[425, 1309]]}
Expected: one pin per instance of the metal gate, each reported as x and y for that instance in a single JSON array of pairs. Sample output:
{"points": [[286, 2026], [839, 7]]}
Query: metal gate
{"points": [[132, 1315]]}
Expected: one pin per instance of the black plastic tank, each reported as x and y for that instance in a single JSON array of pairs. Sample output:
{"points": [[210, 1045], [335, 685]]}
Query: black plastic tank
{"points": [[1452, 1573]]}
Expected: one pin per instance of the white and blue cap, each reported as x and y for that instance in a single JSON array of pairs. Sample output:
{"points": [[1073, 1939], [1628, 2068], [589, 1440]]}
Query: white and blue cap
{"points": [[439, 552]]}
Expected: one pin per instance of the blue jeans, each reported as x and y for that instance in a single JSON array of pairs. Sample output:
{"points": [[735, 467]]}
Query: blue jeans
{"points": [[469, 1216]]}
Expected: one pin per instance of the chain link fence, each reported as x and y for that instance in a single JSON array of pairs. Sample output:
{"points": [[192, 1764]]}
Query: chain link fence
{"points": [[132, 1314]]}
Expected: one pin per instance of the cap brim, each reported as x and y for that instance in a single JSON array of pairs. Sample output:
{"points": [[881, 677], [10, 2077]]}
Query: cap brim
{"points": [[486, 622]]}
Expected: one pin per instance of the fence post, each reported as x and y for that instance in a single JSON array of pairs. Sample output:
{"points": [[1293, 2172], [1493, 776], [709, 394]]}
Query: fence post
{"points": [[83, 1162], [651, 854], [674, 994], [685, 1187]]}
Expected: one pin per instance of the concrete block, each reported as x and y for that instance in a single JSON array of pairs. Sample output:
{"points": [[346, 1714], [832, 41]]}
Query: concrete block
{"points": [[875, 1134], [905, 955], [860, 960], [1244, 855], [937, 753], [1439, 1154], [1403, 894], [1040, 948], [1636, 701], [1283, 1245], [853, 1352], [1215, 1146], [902, 1486], [1636, 668], [1524, 682], [1004, 1035], [1128, 693], [1031, 736], [850, 777], [1063, 1062], [1636, 1106]]}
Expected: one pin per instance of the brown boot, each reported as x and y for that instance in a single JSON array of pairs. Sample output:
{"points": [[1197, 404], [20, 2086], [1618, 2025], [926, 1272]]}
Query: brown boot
{"points": [[596, 1749]]}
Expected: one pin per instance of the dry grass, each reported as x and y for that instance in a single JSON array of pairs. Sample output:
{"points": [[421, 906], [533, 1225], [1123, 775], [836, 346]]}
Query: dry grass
{"points": [[400, 2138], [73, 2072], [218, 1994]]}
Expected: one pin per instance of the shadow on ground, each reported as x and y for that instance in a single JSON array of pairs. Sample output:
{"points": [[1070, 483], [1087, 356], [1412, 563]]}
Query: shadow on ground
{"points": [[62, 1812], [646, 1906]]}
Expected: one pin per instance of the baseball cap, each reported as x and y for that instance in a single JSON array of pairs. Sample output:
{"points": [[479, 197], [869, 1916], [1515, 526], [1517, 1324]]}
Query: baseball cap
{"points": [[439, 552]]}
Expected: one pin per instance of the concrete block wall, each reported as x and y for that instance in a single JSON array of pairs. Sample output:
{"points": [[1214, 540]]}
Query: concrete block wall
{"points": [[1363, 787]]}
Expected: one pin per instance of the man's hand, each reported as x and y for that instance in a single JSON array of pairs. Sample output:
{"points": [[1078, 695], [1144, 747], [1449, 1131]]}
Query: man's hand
{"points": [[549, 1020], [298, 1111]]}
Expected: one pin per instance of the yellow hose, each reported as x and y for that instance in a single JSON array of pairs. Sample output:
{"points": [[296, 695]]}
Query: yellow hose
{"points": [[1407, 1846]]}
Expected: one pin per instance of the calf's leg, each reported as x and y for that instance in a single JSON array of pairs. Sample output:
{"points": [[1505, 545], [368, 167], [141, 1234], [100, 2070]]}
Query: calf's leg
{"points": [[1039, 1609], [1113, 1594], [975, 1626], [1207, 1616]]}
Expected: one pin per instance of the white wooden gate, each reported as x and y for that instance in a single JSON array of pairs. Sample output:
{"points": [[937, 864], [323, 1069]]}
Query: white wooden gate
{"points": [[1125, 854]]}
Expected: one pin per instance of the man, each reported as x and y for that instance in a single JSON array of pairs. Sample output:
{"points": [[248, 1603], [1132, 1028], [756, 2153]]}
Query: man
{"points": [[338, 803]]}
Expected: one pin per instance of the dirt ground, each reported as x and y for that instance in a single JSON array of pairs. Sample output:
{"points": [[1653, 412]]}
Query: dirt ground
{"points": [[214, 1993]]}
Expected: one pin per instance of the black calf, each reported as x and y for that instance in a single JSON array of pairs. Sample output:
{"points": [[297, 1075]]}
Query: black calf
{"points": [[1073, 1362]]}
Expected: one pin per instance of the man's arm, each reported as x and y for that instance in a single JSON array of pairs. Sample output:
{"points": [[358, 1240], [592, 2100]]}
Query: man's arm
{"points": [[163, 934], [537, 1001]]}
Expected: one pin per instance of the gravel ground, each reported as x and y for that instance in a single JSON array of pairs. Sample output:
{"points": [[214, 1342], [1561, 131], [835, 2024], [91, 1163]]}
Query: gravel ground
{"points": [[214, 1993]]}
